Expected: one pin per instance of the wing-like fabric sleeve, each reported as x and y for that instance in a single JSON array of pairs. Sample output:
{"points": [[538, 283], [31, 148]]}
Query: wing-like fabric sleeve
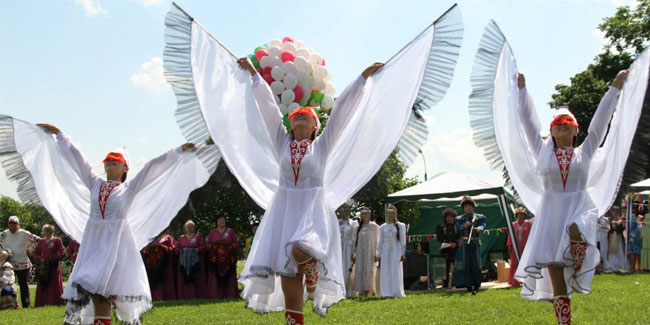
{"points": [[495, 117], [33, 158], [623, 157], [600, 120], [162, 187], [215, 99], [77, 160], [379, 118]]}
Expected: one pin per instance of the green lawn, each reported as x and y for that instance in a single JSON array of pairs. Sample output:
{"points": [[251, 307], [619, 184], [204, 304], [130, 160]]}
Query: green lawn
{"points": [[617, 299]]}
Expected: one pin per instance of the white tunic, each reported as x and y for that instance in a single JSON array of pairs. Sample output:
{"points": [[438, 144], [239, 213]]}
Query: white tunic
{"points": [[562, 205], [365, 251], [603, 232], [348, 229], [390, 252], [18, 243]]}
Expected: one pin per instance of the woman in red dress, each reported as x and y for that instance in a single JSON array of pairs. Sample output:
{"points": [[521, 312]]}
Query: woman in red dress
{"points": [[222, 261], [191, 271], [48, 254], [522, 230], [158, 258]]}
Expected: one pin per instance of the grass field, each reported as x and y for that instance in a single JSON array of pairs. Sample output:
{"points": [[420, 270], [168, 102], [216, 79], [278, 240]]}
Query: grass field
{"points": [[617, 299]]}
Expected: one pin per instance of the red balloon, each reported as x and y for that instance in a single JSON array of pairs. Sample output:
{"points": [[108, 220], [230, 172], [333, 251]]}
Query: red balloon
{"points": [[287, 56], [260, 54], [267, 77], [287, 39], [299, 92], [267, 70], [323, 63]]}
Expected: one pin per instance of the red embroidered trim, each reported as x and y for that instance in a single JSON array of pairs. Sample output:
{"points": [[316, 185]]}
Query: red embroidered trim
{"points": [[104, 192], [298, 150], [564, 156]]}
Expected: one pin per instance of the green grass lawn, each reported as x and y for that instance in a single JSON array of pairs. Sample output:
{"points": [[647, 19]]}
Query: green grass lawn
{"points": [[617, 299]]}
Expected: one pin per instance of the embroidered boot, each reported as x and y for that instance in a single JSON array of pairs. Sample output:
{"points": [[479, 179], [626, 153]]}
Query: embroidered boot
{"points": [[308, 267], [294, 317], [102, 320], [562, 306], [578, 251]]}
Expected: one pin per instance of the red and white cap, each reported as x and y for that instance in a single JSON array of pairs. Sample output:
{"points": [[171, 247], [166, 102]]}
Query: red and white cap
{"points": [[564, 117], [119, 155]]}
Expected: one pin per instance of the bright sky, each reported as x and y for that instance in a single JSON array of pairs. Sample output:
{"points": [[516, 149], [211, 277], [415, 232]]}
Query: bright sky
{"points": [[94, 67]]}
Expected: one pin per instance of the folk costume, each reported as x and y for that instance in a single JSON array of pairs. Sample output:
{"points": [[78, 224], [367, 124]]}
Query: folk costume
{"points": [[447, 234], [392, 246], [560, 186], [521, 233], [159, 261], [366, 241], [617, 261], [300, 182], [222, 264], [190, 274], [113, 221], [47, 258], [603, 233], [467, 267]]}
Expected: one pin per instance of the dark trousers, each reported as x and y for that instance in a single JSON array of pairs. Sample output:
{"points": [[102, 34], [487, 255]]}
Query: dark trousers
{"points": [[450, 254], [24, 287]]}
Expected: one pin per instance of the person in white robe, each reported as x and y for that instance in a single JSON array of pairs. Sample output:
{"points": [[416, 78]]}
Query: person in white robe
{"points": [[603, 233], [366, 239], [348, 228], [391, 253]]}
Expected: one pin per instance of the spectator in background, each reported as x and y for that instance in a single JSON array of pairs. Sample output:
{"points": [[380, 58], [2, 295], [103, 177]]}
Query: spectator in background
{"points": [[222, 261], [447, 235], [467, 267], [521, 230], [348, 229], [20, 242], [191, 270], [391, 253], [249, 240], [364, 258], [158, 259], [645, 247], [616, 243], [8, 296], [73, 250], [47, 256], [603, 231], [634, 243]]}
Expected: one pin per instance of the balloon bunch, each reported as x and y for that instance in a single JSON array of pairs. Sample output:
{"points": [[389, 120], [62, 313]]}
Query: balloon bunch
{"points": [[296, 74]]}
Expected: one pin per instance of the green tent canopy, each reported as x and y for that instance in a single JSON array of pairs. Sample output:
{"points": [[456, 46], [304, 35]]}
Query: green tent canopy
{"points": [[445, 190]]}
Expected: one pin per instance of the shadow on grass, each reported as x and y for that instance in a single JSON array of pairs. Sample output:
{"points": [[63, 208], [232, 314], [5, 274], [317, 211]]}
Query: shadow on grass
{"points": [[194, 302]]}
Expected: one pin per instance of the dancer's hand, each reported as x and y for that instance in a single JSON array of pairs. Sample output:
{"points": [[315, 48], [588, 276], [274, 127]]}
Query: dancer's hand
{"points": [[620, 79], [371, 69], [521, 81], [246, 64], [187, 146], [49, 128]]}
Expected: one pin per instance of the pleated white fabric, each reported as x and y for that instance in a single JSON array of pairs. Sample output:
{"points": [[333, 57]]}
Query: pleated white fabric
{"points": [[108, 262], [366, 124], [506, 126]]}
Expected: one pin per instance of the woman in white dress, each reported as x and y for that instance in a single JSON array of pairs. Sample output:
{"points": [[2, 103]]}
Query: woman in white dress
{"points": [[112, 219], [364, 257], [348, 230], [566, 185], [616, 243], [391, 252], [603, 233]]}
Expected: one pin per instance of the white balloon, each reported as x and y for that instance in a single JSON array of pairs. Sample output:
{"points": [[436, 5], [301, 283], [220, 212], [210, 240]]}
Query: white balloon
{"points": [[299, 43], [274, 51], [305, 97], [266, 61], [316, 59], [303, 53], [275, 42], [302, 77], [276, 62], [283, 108], [327, 102], [329, 76], [287, 97], [277, 87], [320, 72], [289, 67], [319, 85], [289, 47], [310, 82], [329, 89], [301, 63], [290, 81], [277, 73], [292, 106], [277, 98]]}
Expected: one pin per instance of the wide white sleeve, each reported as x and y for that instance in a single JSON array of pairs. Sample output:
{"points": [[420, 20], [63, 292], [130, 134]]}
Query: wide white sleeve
{"points": [[530, 121], [270, 112], [152, 170], [344, 108], [76, 159], [599, 122]]}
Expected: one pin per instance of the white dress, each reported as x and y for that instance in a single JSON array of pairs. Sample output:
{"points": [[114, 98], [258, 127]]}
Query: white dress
{"points": [[348, 229], [217, 99], [506, 126], [603, 232], [112, 221], [390, 250], [616, 252], [365, 251]]}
